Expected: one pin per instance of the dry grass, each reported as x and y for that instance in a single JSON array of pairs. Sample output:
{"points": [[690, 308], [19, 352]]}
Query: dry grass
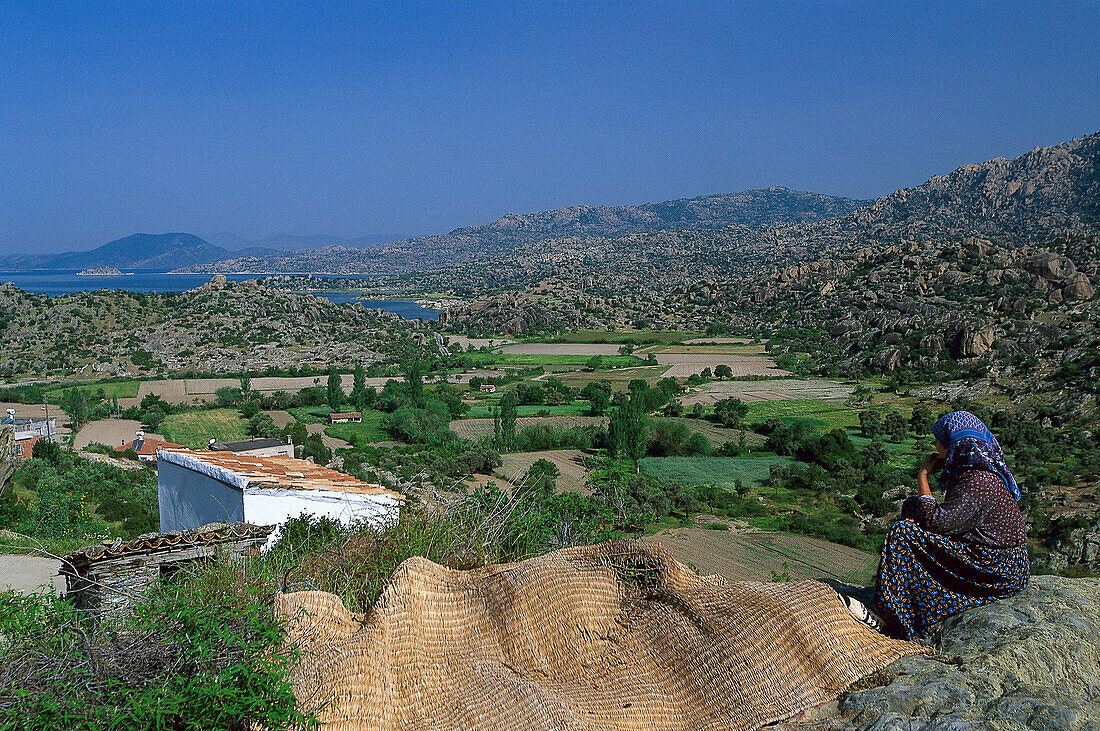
{"points": [[746, 554], [570, 463], [773, 390], [112, 432]]}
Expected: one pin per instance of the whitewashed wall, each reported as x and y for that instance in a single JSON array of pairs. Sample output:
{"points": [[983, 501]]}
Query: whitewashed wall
{"points": [[273, 506]]}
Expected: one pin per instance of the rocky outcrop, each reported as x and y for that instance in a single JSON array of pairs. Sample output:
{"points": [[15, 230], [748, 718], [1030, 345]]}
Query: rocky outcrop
{"points": [[1028, 662], [1051, 267], [972, 341]]}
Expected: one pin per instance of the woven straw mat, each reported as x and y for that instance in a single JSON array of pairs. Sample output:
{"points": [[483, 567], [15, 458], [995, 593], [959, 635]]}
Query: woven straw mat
{"points": [[613, 636]]}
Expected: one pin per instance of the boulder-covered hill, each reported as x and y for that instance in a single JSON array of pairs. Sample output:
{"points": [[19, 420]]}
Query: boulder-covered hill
{"points": [[754, 208], [1048, 193], [138, 251], [221, 327]]}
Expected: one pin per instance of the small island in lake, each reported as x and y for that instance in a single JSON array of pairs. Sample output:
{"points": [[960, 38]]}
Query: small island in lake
{"points": [[102, 272]]}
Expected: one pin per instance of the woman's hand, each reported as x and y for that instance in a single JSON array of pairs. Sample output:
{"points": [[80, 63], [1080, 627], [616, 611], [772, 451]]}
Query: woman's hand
{"points": [[932, 463]]}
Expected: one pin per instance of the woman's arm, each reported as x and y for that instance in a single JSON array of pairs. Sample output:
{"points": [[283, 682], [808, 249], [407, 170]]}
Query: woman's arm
{"points": [[961, 510]]}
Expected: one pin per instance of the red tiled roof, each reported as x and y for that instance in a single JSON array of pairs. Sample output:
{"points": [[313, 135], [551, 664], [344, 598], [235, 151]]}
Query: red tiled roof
{"points": [[283, 471], [152, 446]]}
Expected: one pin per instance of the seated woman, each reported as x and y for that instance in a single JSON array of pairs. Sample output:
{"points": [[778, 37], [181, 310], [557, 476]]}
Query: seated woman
{"points": [[971, 549]]}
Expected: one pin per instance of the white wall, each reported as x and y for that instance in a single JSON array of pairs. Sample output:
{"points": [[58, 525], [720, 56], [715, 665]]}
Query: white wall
{"points": [[273, 506]]}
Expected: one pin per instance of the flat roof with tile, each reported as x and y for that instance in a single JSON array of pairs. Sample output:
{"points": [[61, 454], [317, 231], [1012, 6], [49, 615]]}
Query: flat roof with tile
{"points": [[277, 471]]}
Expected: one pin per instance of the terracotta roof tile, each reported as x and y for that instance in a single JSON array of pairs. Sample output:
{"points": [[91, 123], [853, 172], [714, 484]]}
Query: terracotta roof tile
{"points": [[155, 542]]}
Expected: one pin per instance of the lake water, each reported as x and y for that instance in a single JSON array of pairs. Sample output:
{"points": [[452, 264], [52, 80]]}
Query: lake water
{"points": [[68, 281]]}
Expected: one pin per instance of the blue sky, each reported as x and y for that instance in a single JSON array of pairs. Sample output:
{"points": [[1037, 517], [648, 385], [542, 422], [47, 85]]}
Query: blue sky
{"points": [[406, 118]]}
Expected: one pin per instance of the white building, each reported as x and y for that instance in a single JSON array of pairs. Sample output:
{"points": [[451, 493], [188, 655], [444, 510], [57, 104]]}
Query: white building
{"points": [[261, 447], [198, 488]]}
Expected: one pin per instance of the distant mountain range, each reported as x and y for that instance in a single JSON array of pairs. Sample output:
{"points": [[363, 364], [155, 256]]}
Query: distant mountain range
{"points": [[1047, 192], [373, 254], [139, 251], [290, 242], [755, 208]]}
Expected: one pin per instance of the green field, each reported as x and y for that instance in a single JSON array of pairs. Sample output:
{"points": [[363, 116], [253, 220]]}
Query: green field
{"points": [[819, 415], [484, 410], [311, 414], [367, 432], [720, 471], [112, 389], [195, 429]]}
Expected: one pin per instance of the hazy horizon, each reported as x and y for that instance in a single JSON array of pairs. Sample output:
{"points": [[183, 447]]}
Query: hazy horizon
{"points": [[418, 119]]}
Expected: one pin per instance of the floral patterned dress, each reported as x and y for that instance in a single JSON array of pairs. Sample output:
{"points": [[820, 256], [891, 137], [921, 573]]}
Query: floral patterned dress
{"points": [[942, 558]]}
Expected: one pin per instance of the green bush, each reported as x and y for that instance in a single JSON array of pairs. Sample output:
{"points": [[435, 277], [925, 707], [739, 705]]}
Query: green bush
{"points": [[184, 659]]}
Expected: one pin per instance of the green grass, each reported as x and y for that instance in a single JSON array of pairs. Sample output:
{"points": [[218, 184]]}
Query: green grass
{"points": [[719, 471], [311, 414], [195, 429], [819, 415], [485, 410], [369, 431], [112, 389]]}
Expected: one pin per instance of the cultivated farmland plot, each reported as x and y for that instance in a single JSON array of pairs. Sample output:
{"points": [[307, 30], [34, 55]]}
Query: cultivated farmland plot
{"points": [[682, 365], [751, 555], [716, 433], [112, 432], [748, 391], [570, 463], [477, 428], [587, 349]]}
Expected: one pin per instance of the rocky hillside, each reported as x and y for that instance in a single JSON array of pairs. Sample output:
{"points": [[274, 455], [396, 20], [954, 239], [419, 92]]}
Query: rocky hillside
{"points": [[754, 208], [218, 327], [1048, 193]]}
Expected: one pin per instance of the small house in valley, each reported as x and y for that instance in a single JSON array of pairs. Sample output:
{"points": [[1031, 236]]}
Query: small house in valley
{"points": [[343, 417], [488, 388], [196, 488]]}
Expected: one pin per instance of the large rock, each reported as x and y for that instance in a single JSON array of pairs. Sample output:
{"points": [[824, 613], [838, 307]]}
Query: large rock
{"points": [[972, 341], [887, 360], [1078, 287], [1028, 662], [1051, 267]]}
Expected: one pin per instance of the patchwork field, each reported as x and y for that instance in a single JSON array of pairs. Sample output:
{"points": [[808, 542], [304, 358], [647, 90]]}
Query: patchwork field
{"points": [[631, 336], [684, 364], [773, 390], [477, 428], [114, 389], [195, 429], [720, 471], [484, 409], [716, 433], [751, 555], [585, 349], [820, 415], [570, 463], [112, 432], [368, 432]]}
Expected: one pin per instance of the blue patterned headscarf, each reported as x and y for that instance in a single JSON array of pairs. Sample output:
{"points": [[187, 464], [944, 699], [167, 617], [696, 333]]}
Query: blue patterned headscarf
{"points": [[970, 445]]}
